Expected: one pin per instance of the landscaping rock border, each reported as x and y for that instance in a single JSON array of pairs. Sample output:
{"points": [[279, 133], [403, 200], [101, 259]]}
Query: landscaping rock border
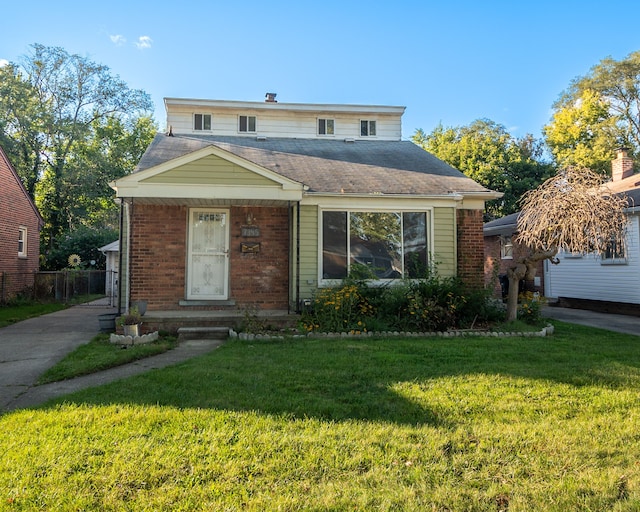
{"points": [[545, 331], [119, 339]]}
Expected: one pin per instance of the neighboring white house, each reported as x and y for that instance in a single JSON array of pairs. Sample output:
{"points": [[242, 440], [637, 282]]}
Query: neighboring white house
{"points": [[111, 252], [610, 277]]}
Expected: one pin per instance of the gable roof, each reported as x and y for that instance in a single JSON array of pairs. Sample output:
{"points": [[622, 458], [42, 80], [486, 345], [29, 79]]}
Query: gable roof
{"points": [[6, 164], [330, 166]]}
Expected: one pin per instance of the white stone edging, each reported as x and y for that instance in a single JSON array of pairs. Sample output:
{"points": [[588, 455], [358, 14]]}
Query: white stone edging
{"points": [[120, 339], [545, 331]]}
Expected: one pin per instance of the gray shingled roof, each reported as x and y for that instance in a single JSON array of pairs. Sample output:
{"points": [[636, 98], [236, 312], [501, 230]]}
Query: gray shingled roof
{"points": [[330, 166]]}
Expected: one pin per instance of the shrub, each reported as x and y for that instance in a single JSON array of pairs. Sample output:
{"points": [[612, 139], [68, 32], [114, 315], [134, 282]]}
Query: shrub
{"points": [[530, 308]]}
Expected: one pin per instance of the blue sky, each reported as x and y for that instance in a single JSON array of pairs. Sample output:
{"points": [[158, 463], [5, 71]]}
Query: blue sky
{"points": [[448, 62]]}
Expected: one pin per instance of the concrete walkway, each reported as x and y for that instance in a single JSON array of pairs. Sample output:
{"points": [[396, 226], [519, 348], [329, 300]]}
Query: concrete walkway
{"points": [[30, 347], [626, 324]]}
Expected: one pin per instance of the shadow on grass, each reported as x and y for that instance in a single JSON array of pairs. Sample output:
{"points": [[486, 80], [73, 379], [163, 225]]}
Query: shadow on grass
{"points": [[352, 379]]}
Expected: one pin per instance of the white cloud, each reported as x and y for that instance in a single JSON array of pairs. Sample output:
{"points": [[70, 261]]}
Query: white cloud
{"points": [[144, 42], [3, 63], [118, 39]]}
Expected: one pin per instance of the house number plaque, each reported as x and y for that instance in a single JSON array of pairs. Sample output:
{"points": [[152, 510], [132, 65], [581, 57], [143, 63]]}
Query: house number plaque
{"points": [[249, 248], [250, 231]]}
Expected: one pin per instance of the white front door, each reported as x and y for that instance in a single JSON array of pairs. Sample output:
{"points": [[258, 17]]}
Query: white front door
{"points": [[208, 258]]}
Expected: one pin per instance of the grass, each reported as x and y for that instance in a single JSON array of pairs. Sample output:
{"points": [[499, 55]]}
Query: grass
{"points": [[101, 354], [16, 313], [444, 424]]}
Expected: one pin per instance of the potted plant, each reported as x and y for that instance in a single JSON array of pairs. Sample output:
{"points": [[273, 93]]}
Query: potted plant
{"points": [[130, 322]]}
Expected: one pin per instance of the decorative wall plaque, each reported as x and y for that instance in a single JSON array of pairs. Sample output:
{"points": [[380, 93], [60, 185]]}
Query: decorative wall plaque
{"points": [[250, 248]]}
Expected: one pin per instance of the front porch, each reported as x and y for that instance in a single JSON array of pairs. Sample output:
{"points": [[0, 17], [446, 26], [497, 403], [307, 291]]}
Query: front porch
{"points": [[238, 320]]}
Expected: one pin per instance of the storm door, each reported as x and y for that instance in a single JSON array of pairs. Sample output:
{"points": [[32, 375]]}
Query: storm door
{"points": [[208, 258]]}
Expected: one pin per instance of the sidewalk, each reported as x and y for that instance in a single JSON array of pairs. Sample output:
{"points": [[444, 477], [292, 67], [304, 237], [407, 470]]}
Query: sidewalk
{"points": [[30, 347]]}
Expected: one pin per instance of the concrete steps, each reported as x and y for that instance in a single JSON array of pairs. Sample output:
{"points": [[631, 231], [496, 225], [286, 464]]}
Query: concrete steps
{"points": [[202, 333]]}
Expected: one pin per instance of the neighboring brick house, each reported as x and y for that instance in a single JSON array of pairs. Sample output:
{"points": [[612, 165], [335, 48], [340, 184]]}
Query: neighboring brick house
{"points": [[501, 251], [20, 225], [261, 203]]}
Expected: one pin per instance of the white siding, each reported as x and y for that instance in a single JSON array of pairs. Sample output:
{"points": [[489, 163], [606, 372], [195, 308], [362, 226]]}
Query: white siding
{"points": [[588, 277], [285, 123]]}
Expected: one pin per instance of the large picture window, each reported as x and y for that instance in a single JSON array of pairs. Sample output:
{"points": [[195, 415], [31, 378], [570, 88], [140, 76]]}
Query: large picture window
{"points": [[391, 245]]}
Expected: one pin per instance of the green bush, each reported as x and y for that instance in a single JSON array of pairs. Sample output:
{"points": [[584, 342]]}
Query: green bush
{"points": [[423, 305]]}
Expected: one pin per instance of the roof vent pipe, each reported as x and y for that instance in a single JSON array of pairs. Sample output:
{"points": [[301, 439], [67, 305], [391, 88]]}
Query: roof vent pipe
{"points": [[270, 97]]}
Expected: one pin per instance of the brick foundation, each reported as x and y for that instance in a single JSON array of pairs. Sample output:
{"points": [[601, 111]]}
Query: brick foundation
{"points": [[159, 254]]}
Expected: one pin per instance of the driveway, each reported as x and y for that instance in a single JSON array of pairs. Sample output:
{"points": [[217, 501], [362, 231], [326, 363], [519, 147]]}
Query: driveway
{"points": [[30, 347], [619, 323]]}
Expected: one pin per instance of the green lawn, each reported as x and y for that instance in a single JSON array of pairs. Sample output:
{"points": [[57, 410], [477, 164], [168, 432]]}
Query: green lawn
{"points": [[444, 424], [12, 314]]}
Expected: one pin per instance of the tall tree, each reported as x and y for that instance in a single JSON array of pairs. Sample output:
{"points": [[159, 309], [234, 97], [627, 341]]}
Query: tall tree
{"points": [[571, 211], [69, 98], [597, 113], [486, 152]]}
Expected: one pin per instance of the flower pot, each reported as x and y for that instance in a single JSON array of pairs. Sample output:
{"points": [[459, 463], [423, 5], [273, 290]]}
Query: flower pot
{"points": [[131, 330], [107, 322]]}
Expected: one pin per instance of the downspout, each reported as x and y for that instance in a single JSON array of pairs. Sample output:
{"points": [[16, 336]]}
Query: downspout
{"points": [[298, 256], [120, 258]]}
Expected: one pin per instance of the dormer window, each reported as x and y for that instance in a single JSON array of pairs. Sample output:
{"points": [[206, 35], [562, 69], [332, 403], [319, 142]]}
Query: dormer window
{"points": [[247, 124], [326, 126], [367, 128], [202, 122]]}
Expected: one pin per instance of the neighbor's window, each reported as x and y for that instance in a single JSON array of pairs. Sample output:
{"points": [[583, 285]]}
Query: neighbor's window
{"points": [[22, 242], [506, 248], [247, 123], [614, 252], [202, 122], [390, 244], [367, 128], [326, 126]]}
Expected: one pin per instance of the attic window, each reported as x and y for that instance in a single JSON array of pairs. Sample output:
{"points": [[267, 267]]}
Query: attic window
{"points": [[247, 124], [202, 122], [367, 128], [326, 126]]}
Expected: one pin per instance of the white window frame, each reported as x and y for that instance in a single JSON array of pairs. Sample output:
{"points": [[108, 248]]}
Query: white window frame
{"points": [[202, 122], [324, 122], [248, 124], [506, 247], [323, 282], [370, 123], [22, 242]]}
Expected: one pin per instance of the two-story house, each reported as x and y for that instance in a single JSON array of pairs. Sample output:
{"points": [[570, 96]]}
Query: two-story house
{"points": [[260, 203], [20, 224]]}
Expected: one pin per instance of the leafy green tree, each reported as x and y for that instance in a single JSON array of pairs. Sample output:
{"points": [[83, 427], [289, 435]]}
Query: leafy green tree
{"points": [[67, 118], [486, 152], [83, 241], [596, 114]]}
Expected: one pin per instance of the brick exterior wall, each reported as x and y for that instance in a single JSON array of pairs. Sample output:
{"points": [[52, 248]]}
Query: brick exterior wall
{"points": [[16, 210], [494, 265], [470, 247], [159, 254]]}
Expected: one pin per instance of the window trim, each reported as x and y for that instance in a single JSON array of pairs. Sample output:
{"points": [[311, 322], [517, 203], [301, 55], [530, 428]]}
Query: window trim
{"points": [[22, 242], [202, 121], [369, 124], [248, 123], [429, 228], [326, 121]]}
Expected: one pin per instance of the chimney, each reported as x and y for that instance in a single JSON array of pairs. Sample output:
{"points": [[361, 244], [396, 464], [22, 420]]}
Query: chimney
{"points": [[270, 97], [622, 166]]}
